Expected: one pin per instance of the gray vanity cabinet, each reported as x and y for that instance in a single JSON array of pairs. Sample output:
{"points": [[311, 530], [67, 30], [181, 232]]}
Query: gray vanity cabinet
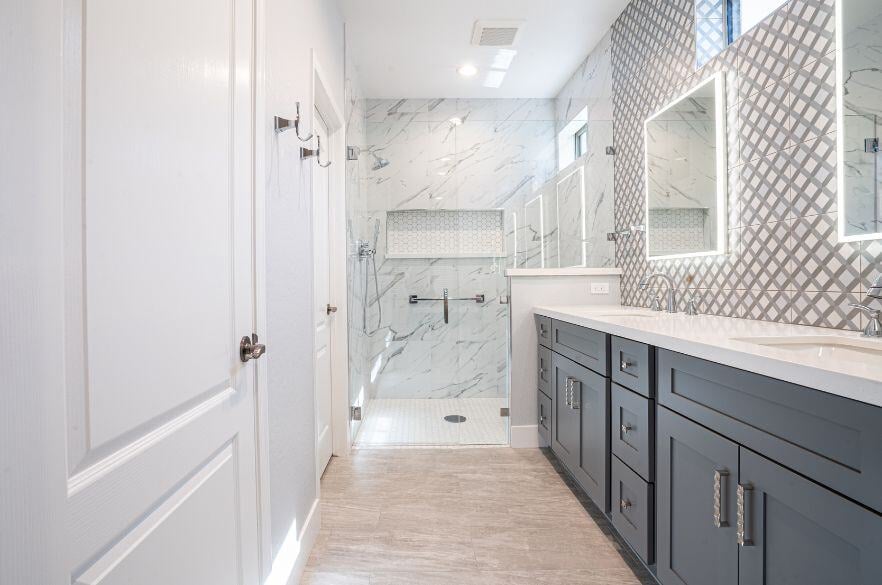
{"points": [[799, 532], [580, 426], [697, 474]]}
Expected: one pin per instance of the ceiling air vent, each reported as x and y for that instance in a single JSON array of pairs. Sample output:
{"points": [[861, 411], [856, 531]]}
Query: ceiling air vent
{"points": [[496, 33]]}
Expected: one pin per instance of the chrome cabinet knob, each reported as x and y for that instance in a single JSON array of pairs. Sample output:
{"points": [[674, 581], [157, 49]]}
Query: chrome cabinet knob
{"points": [[624, 505], [625, 364], [250, 349], [626, 428]]}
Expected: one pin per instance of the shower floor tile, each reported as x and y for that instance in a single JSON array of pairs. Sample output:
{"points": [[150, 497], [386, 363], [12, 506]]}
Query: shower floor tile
{"points": [[420, 421]]}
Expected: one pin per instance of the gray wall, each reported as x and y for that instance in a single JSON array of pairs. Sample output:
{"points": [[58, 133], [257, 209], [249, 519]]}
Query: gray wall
{"points": [[785, 263]]}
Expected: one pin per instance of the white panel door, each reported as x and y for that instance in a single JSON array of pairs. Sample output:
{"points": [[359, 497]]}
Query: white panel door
{"points": [[322, 300], [158, 195]]}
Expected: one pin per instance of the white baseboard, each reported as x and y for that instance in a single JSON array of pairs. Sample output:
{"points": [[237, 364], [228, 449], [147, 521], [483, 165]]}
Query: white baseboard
{"points": [[525, 437], [290, 563]]}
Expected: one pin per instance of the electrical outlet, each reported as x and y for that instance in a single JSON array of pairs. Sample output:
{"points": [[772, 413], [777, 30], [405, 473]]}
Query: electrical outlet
{"points": [[600, 288]]}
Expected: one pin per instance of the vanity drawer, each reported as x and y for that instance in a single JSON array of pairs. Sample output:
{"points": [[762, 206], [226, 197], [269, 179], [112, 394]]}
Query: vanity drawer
{"points": [[633, 365], [544, 370], [544, 421], [633, 510], [832, 440], [584, 346], [633, 431], [543, 330]]}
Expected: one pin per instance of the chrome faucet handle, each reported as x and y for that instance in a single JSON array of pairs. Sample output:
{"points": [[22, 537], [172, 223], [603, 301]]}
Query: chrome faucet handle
{"points": [[874, 327], [656, 304], [875, 291], [692, 306]]}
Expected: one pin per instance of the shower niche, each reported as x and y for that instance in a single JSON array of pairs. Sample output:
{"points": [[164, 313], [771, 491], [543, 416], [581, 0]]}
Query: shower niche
{"points": [[445, 233]]}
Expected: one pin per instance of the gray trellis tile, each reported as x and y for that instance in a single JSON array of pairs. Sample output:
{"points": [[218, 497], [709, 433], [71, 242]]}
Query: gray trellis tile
{"points": [[767, 306], [733, 197], [871, 263], [765, 189], [820, 262], [765, 262], [813, 182], [812, 30], [813, 100], [827, 309], [764, 122], [764, 54]]}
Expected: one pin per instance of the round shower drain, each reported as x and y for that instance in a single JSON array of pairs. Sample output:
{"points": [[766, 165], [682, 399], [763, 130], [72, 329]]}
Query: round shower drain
{"points": [[455, 418]]}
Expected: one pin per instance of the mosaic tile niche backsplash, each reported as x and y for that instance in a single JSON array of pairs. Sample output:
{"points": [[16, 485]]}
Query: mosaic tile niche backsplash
{"points": [[784, 262]]}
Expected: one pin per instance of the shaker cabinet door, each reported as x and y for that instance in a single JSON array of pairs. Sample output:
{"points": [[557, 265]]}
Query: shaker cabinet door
{"points": [[697, 474], [796, 531]]}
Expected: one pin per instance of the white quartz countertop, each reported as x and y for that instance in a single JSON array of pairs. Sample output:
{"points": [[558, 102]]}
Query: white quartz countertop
{"points": [[721, 340]]}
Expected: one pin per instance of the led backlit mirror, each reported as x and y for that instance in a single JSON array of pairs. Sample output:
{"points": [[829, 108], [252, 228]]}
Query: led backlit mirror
{"points": [[860, 119], [686, 175]]}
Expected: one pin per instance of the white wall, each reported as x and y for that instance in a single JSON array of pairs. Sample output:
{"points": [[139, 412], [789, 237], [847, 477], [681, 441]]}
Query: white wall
{"points": [[32, 423], [293, 28], [529, 289]]}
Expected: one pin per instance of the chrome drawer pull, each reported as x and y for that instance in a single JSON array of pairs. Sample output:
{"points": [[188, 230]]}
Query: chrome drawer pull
{"points": [[574, 404], [742, 534], [721, 479]]}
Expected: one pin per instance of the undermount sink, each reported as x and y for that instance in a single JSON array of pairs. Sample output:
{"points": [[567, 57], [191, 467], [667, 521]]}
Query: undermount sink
{"points": [[825, 347], [625, 314]]}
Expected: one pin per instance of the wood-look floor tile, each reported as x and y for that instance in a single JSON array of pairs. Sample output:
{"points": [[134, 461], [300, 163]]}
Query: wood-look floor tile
{"points": [[459, 516]]}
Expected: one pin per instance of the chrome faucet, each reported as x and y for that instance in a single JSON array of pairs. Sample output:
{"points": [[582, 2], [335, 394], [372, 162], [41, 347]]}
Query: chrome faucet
{"points": [[672, 293], [874, 326]]}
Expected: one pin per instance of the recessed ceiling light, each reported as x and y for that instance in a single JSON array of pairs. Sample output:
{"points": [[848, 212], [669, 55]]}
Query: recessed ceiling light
{"points": [[468, 70]]}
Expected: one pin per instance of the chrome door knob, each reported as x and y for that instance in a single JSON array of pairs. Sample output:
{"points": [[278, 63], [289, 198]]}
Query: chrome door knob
{"points": [[250, 349]]}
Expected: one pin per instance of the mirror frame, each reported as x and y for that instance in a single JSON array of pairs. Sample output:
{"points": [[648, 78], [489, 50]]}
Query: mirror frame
{"points": [[840, 136], [719, 83]]}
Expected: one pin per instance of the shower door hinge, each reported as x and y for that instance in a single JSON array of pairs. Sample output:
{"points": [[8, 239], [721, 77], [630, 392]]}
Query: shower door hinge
{"points": [[503, 412], [355, 412], [871, 145], [503, 299]]}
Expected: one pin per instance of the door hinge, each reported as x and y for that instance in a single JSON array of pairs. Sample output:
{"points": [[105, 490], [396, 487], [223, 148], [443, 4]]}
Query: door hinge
{"points": [[355, 412], [503, 412], [871, 145]]}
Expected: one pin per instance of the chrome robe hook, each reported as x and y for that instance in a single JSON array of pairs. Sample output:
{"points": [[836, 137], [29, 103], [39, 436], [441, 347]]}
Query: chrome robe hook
{"points": [[306, 153], [284, 124]]}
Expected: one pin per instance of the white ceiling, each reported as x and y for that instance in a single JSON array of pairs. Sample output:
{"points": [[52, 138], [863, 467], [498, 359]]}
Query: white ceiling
{"points": [[412, 48]]}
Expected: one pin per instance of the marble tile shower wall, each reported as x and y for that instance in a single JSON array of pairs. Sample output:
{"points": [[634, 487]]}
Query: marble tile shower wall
{"points": [[501, 151], [784, 262]]}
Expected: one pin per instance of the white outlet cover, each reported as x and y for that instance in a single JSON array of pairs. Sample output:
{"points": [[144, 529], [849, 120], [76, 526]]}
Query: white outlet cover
{"points": [[600, 288]]}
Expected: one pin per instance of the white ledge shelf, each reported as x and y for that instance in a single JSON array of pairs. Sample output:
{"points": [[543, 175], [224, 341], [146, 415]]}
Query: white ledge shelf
{"points": [[575, 271]]}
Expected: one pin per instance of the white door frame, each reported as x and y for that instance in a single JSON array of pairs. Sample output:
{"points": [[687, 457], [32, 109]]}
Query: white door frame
{"points": [[326, 102]]}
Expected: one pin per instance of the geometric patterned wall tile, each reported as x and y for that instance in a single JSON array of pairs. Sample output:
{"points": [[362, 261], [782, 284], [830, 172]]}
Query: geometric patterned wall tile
{"points": [[813, 181], [871, 263], [786, 62], [820, 263], [813, 100], [765, 189], [827, 309], [812, 30], [764, 121], [766, 259], [764, 54], [763, 305]]}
